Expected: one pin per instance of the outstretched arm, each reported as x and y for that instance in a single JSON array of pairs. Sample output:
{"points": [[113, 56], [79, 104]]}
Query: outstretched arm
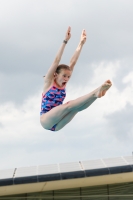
{"points": [[78, 50], [52, 69]]}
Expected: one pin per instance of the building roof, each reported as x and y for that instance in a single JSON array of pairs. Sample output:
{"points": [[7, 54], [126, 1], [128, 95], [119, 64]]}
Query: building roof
{"points": [[66, 175]]}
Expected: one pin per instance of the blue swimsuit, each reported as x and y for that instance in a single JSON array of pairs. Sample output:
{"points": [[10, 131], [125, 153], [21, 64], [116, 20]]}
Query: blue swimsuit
{"points": [[54, 97]]}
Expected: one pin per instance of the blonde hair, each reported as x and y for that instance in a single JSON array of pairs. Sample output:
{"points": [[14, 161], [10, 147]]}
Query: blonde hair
{"points": [[60, 67]]}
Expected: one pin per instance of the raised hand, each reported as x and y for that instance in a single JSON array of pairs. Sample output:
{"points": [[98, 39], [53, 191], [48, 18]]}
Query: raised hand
{"points": [[68, 34], [83, 37]]}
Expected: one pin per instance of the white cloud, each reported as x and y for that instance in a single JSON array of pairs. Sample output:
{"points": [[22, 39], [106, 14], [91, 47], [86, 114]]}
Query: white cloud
{"points": [[129, 78], [21, 122]]}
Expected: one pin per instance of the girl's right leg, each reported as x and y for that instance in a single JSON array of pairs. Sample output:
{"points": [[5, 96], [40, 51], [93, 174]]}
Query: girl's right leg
{"points": [[67, 118], [55, 115]]}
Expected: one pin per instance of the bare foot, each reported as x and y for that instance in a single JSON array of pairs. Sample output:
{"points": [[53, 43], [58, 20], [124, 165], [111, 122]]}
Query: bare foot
{"points": [[103, 89]]}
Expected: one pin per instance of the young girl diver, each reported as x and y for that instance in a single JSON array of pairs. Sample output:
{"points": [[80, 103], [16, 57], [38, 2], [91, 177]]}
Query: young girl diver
{"points": [[54, 114]]}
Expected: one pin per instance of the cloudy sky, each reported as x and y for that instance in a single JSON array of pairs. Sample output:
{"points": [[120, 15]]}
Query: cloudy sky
{"points": [[31, 31]]}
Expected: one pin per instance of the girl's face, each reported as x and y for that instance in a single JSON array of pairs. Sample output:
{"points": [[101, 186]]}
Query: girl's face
{"points": [[63, 77]]}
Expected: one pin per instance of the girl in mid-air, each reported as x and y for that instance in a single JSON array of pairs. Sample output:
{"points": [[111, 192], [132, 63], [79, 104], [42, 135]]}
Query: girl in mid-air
{"points": [[54, 114]]}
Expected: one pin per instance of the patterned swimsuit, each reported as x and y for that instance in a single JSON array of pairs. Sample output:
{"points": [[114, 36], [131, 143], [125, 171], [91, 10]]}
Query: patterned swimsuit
{"points": [[54, 97]]}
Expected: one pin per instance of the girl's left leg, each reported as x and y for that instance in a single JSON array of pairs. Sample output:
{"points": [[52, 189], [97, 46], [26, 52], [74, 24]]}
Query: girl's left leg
{"points": [[66, 119], [57, 114]]}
